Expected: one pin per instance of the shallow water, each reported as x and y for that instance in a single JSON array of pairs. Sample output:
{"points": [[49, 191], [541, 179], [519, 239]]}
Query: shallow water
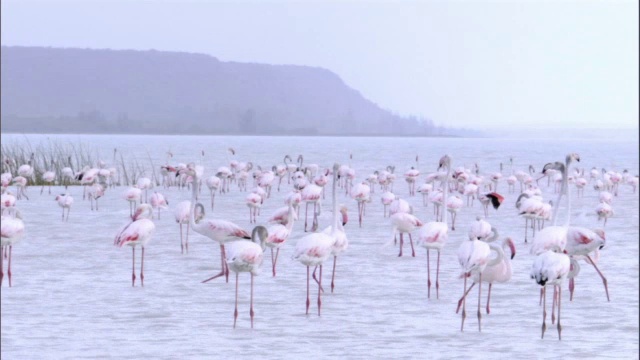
{"points": [[72, 295]]}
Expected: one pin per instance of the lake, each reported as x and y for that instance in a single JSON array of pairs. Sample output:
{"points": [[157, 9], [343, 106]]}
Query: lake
{"points": [[72, 296]]}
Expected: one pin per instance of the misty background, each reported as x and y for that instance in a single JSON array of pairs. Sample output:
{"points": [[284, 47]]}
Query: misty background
{"points": [[358, 67]]}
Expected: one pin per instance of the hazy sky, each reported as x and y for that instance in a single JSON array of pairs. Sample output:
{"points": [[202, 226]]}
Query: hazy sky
{"points": [[475, 64]]}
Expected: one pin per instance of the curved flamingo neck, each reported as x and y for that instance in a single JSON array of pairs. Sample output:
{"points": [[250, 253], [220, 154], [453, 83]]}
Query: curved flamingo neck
{"points": [[500, 254], [290, 217], [334, 200], [192, 212], [445, 193]]}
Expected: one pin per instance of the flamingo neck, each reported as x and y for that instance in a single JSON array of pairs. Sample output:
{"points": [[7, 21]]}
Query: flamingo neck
{"points": [[192, 212], [334, 200], [499, 253], [445, 193]]}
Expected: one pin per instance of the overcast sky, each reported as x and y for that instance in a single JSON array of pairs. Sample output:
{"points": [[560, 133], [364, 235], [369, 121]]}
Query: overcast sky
{"points": [[475, 64]]}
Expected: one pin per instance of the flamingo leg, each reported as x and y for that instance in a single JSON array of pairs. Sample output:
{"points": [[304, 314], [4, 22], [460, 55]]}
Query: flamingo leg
{"points": [[318, 280], [464, 311], [553, 305], [479, 303], [186, 241], [559, 327], [276, 261], [133, 266], [1, 267], [9, 265], [572, 287], [437, 275], [251, 313], [333, 274], [320, 290], [181, 242], [223, 270], [604, 280], [544, 310], [308, 300], [413, 252], [235, 312], [401, 242], [306, 209], [142, 268], [489, 298], [428, 277]]}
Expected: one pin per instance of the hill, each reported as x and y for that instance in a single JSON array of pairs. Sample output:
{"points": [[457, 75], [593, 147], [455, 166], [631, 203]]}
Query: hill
{"points": [[68, 90]]}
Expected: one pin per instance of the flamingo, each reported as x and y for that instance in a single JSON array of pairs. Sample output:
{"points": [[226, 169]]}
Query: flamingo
{"points": [[454, 204], [12, 230], [473, 256], [213, 183], [492, 198], [7, 199], [247, 256], [158, 201], [65, 201], [482, 230], [137, 232], [434, 234], [405, 223], [498, 269], [551, 267], [387, 198], [218, 230], [604, 211], [313, 249], [21, 186], [182, 213], [144, 183], [362, 194], [425, 189], [48, 178], [311, 195], [254, 202], [337, 227], [95, 192], [279, 233], [132, 195]]}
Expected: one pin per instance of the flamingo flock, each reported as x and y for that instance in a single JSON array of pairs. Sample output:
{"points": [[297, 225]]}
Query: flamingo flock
{"points": [[556, 250]]}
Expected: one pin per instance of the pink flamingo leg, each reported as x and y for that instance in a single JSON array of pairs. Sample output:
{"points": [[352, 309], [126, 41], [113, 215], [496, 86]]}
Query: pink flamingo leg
{"points": [[181, 241], [2, 267], [333, 274], [133, 266], [559, 327], [224, 270], [276, 261], [235, 312], [489, 299], [437, 276], [604, 280], [320, 290], [142, 268], [308, 300], [401, 242], [186, 241], [251, 313], [9, 265], [479, 303], [553, 306], [464, 296], [413, 252], [544, 310], [428, 277], [316, 279]]}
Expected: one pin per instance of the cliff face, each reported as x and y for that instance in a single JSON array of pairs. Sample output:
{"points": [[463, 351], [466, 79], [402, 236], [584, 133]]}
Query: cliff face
{"points": [[120, 91]]}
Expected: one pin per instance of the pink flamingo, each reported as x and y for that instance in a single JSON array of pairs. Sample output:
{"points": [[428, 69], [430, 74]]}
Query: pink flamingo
{"points": [[387, 198], [247, 256], [254, 202], [434, 234], [405, 223], [311, 195], [158, 201], [48, 178], [604, 211], [182, 213], [133, 195], [137, 232], [95, 192], [492, 198], [551, 267], [362, 194], [498, 269], [213, 183], [65, 201], [336, 230], [218, 230], [279, 233], [7, 199], [473, 256], [12, 230]]}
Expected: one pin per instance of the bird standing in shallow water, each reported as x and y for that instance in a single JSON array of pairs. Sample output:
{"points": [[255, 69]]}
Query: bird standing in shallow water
{"points": [[247, 256], [138, 232]]}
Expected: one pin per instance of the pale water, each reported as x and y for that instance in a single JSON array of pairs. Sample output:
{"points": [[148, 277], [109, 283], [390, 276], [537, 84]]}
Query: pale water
{"points": [[72, 295]]}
